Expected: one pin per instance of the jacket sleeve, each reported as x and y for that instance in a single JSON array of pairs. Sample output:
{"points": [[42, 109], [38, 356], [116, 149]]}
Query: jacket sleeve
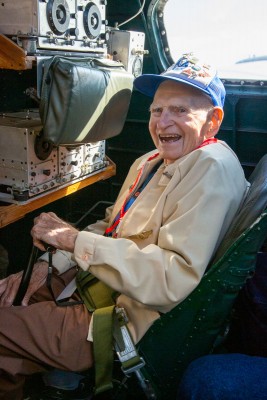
{"points": [[61, 260], [162, 274]]}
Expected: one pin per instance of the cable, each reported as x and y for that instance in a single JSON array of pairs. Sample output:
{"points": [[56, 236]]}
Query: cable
{"points": [[26, 276], [130, 19]]}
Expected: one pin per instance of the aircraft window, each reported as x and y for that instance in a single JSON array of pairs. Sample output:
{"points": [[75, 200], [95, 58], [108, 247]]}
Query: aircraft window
{"points": [[229, 34]]}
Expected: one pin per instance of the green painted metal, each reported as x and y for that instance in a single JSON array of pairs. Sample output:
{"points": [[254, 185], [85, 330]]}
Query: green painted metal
{"points": [[197, 326], [157, 33]]}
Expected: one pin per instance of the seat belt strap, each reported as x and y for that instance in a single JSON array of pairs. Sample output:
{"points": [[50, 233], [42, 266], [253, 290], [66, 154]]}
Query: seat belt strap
{"points": [[110, 328], [103, 348]]}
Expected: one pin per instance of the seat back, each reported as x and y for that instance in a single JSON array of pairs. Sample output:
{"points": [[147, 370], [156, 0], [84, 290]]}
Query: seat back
{"points": [[252, 207], [197, 325]]}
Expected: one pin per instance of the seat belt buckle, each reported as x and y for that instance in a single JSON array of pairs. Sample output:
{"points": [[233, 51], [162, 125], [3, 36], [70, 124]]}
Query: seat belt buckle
{"points": [[131, 362], [129, 357]]}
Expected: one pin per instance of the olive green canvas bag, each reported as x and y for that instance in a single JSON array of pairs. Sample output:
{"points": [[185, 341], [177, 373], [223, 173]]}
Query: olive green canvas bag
{"points": [[83, 99]]}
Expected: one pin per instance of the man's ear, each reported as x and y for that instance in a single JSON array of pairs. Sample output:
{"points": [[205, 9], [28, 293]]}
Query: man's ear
{"points": [[215, 121]]}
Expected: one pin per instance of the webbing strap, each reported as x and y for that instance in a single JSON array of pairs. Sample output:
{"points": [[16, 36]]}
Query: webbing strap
{"points": [[109, 330], [103, 348]]}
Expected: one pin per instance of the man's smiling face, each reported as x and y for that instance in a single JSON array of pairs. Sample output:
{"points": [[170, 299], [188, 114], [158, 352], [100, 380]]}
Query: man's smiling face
{"points": [[180, 119]]}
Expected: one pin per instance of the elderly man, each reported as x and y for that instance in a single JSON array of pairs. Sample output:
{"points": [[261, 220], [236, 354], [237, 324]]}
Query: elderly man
{"points": [[174, 208]]}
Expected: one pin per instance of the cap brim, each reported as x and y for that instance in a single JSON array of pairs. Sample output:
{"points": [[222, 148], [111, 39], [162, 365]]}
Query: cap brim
{"points": [[149, 83]]}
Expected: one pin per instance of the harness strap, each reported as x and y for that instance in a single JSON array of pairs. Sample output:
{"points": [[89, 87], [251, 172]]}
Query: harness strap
{"points": [[103, 348], [109, 331]]}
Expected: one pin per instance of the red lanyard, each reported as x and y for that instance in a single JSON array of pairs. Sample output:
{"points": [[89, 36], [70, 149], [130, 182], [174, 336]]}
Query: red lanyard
{"points": [[207, 141], [132, 187]]}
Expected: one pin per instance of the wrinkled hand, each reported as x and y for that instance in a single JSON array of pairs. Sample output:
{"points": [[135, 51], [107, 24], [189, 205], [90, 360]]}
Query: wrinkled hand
{"points": [[54, 231], [9, 286]]}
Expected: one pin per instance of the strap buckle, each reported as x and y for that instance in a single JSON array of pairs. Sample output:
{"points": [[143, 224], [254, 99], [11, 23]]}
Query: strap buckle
{"points": [[123, 344], [131, 362]]}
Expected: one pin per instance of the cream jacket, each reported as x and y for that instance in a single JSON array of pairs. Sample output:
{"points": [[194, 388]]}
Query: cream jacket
{"points": [[168, 236]]}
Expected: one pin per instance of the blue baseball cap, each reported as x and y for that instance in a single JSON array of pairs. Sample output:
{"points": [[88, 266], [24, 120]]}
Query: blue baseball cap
{"points": [[190, 71]]}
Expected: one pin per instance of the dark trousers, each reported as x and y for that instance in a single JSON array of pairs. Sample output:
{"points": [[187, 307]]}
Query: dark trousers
{"points": [[40, 336], [225, 377]]}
